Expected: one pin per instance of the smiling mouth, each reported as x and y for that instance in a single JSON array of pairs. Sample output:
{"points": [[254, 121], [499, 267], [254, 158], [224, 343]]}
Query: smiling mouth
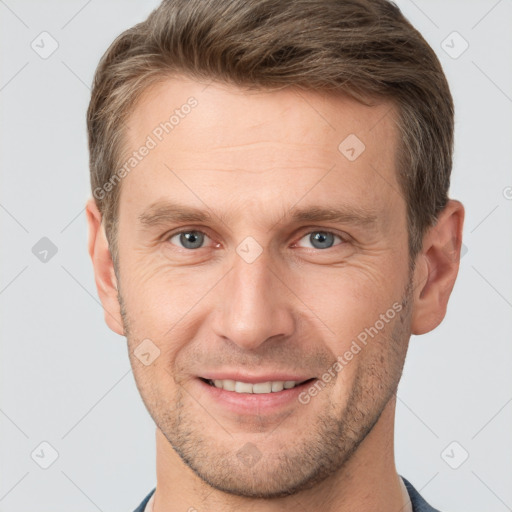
{"points": [[258, 388]]}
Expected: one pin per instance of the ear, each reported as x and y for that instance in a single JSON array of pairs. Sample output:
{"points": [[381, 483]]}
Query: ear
{"points": [[104, 275], [436, 268]]}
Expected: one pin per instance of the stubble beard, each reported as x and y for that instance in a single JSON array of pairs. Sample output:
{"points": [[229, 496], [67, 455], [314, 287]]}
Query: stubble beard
{"points": [[317, 453]]}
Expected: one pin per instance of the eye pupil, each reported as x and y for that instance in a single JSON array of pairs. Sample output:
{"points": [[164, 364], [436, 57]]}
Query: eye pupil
{"points": [[191, 237], [323, 238], [194, 239]]}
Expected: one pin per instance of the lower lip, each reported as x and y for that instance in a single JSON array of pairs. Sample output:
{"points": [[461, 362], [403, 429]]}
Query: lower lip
{"points": [[254, 403]]}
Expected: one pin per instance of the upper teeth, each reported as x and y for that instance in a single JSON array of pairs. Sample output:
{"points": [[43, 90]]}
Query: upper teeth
{"points": [[260, 387]]}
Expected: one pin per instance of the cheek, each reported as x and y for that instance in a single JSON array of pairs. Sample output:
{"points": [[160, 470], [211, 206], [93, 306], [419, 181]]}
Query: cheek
{"points": [[162, 305], [154, 290], [341, 300], [348, 299]]}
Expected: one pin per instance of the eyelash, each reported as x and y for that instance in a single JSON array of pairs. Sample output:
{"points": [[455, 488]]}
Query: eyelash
{"points": [[344, 239]]}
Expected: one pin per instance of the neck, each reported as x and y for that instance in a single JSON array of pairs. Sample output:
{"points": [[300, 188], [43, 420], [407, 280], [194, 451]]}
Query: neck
{"points": [[367, 481]]}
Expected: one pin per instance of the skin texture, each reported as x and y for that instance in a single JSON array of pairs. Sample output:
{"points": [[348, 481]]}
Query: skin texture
{"points": [[250, 157]]}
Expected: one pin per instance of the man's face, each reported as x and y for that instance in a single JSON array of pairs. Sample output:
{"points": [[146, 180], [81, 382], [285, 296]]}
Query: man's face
{"points": [[257, 292]]}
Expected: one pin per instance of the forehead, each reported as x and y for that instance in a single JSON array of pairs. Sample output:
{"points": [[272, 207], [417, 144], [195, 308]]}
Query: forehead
{"points": [[267, 147], [293, 114]]}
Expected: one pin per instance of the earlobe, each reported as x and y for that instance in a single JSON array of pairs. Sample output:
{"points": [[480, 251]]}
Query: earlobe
{"points": [[104, 275], [436, 269]]}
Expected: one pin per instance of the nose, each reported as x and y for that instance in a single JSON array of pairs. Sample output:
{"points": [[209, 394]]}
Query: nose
{"points": [[255, 304]]}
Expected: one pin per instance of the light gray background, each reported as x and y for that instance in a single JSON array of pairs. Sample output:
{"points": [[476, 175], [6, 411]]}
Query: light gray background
{"points": [[66, 378]]}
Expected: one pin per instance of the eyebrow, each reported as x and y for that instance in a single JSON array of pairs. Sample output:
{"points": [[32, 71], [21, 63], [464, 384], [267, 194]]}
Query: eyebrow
{"points": [[166, 212]]}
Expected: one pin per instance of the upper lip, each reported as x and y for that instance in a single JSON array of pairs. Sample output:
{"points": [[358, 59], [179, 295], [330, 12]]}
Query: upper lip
{"points": [[254, 379]]}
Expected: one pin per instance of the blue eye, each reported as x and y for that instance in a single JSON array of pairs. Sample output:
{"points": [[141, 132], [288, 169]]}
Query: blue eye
{"points": [[190, 239], [321, 239], [194, 239]]}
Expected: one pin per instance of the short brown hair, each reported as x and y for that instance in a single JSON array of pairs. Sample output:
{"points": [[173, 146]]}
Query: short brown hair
{"points": [[361, 48]]}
